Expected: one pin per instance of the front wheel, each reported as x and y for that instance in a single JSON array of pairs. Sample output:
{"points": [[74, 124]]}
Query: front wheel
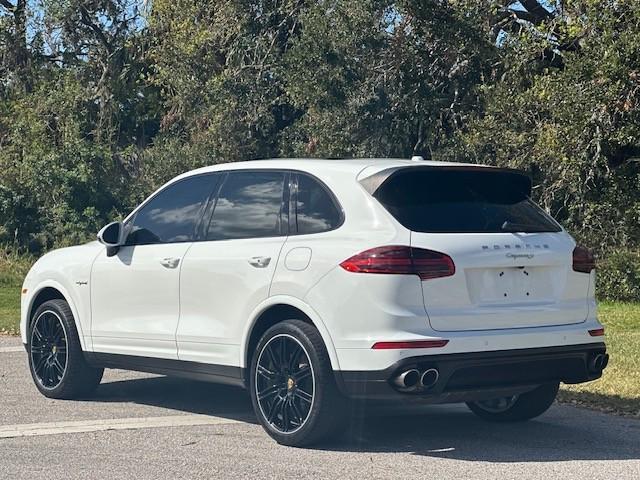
{"points": [[56, 361], [517, 408], [292, 386]]}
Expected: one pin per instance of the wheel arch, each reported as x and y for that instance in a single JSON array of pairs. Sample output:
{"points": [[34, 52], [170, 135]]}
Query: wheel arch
{"points": [[275, 310], [51, 290]]}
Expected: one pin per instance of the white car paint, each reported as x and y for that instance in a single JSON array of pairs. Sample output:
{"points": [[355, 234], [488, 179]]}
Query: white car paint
{"points": [[491, 290], [220, 287], [122, 289], [202, 308]]}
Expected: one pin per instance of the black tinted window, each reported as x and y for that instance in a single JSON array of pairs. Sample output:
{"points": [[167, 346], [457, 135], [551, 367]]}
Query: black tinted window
{"points": [[463, 201], [315, 209], [171, 215], [249, 205]]}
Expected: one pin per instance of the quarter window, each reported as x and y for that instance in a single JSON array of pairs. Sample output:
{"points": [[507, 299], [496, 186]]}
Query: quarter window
{"points": [[172, 215], [315, 209], [249, 205]]}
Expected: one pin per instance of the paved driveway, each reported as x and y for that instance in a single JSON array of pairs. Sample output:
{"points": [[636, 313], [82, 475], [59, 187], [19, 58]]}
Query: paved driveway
{"points": [[145, 426]]}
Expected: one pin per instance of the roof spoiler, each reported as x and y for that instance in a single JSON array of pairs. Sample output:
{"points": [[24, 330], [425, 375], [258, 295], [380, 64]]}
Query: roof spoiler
{"points": [[373, 182]]}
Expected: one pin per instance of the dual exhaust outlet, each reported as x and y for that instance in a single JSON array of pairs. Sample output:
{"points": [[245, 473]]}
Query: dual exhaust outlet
{"points": [[598, 362], [414, 378]]}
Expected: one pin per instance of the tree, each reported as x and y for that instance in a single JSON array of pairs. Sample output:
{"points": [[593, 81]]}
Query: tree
{"points": [[381, 78], [68, 142], [572, 121], [15, 58], [217, 63], [101, 101], [103, 41]]}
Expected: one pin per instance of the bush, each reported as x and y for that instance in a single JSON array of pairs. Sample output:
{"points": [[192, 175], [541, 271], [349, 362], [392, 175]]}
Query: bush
{"points": [[13, 267], [618, 276]]}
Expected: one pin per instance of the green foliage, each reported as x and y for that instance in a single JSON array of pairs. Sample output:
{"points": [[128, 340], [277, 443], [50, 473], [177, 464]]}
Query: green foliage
{"points": [[13, 267], [564, 107], [103, 101], [57, 184], [217, 62], [389, 78], [618, 390], [618, 276]]}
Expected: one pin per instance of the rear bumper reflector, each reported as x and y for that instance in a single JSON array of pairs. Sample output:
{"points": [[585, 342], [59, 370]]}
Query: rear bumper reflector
{"points": [[409, 344], [598, 332]]}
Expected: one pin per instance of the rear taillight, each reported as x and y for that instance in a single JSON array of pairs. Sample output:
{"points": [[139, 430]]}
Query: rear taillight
{"points": [[583, 260], [401, 260]]}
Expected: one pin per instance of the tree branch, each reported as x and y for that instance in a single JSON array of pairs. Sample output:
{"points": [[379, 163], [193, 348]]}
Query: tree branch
{"points": [[86, 20], [507, 16], [537, 13], [524, 15], [8, 6]]}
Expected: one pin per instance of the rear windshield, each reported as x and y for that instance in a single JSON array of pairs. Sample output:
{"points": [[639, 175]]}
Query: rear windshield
{"points": [[439, 200]]}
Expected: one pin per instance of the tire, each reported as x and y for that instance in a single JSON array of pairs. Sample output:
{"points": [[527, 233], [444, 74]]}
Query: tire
{"points": [[277, 387], [521, 407], [56, 361]]}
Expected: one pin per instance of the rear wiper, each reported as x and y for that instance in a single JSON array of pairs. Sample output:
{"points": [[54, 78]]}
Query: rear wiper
{"points": [[508, 226]]}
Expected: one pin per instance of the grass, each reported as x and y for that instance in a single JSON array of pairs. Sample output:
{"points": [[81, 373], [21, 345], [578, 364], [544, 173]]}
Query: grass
{"points": [[9, 309], [13, 268], [619, 388], [617, 391]]}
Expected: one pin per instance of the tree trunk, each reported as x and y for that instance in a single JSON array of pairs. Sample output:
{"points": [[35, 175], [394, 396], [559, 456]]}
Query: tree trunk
{"points": [[20, 57]]}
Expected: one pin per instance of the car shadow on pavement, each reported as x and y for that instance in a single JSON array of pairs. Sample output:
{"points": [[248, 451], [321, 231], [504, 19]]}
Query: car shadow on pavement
{"points": [[451, 431], [179, 394]]}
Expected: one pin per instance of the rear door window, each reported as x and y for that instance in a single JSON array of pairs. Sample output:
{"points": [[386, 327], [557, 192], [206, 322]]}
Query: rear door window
{"points": [[441, 200], [250, 205]]}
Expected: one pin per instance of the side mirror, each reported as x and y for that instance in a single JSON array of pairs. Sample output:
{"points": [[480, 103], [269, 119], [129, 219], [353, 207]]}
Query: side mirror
{"points": [[111, 237]]}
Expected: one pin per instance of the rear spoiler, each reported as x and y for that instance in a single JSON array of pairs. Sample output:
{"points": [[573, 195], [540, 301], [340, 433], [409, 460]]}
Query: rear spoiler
{"points": [[373, 182]]}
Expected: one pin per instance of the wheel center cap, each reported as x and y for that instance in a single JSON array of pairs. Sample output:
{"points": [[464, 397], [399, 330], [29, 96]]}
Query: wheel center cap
{"points": [[54, 349], [291, 383]]}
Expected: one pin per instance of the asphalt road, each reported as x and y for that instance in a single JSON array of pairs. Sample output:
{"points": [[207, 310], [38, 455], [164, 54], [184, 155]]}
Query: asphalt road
{"points": [[141, 426]]}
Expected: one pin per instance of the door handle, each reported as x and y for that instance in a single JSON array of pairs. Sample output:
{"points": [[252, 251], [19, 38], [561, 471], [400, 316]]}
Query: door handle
{"points": [[170, 262], [260, 262]]}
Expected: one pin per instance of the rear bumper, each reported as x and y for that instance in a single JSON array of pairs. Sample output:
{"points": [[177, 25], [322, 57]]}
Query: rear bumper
{"points": [[478, 375]]}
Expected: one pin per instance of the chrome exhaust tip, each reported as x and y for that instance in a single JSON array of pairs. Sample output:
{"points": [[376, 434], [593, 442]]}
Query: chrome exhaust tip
{"points": [[598, 362], [407, 379], [429, 378]]}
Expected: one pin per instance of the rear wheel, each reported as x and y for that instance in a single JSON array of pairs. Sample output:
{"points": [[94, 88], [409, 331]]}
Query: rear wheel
{"points": [[56, 361], [292, 386], [517, 408]]}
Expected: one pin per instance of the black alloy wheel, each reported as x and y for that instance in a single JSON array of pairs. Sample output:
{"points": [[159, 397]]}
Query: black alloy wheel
{"points": [[49, 349], [56, 360], [293, 386], [284, 383]]}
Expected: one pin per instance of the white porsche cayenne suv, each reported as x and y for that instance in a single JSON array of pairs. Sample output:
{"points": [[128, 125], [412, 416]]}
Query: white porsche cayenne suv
{"points": [[319, 283]]}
